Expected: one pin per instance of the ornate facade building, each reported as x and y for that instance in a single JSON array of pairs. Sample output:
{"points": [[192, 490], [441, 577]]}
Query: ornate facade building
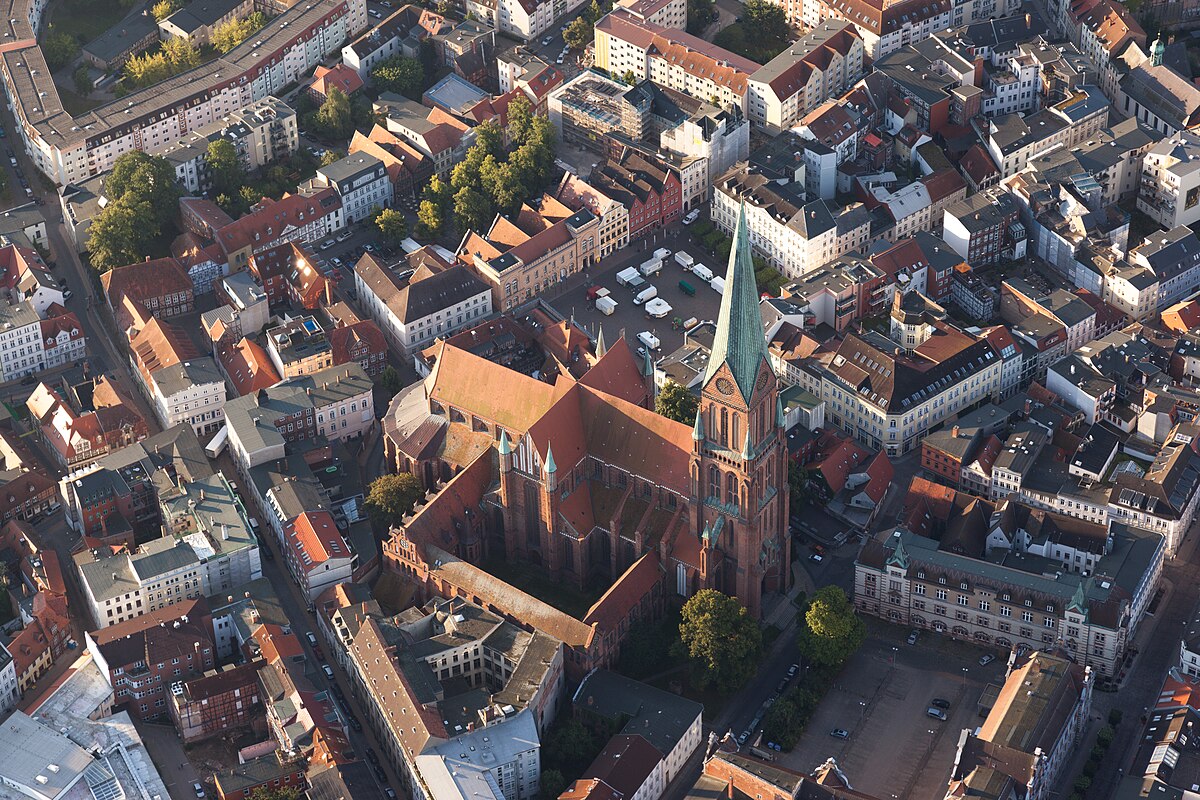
{"points": [[582, 479]]}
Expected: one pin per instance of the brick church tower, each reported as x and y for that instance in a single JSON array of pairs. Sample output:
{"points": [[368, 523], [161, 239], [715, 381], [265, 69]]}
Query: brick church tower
{"points": [[739, 454]]}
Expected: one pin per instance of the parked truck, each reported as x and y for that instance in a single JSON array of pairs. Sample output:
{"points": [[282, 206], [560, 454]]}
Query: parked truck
{"points": [[683, 260], [718, 284], [651, 267], [702, 272], [649, 340], [626, 275], [606, 305], [649, 293], [662, 254]]}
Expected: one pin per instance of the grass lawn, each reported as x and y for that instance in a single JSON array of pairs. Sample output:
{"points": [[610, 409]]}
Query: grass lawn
{"points": [[76, 105], [528, 578], [86, 19]]}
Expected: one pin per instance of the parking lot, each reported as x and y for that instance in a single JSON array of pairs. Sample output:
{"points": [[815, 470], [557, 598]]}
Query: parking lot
{"points": [[632, 319], [895, 749]]}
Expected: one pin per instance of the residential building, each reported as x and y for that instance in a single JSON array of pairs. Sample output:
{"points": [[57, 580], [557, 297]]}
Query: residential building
{"points": [[22, 352], [181, 384], [440, 136], [575, 193], [298, 409], [650, 187], [143, 657], [408, 168], [197, 20], [274, 223], [161, 286], [317, 553], [218, 701], [362, 343], [82, 423], [1163, 500], [1169, 189], [261, 133], [10, 693], [110, 50], [1013, 140], [247, 367], [825, 63], [426, 305], [68, 148], [883, 28], [985, 228], [298, 347], [24, 276], [361, 181], [340, 76], [1035, 726], [1173, 258]]}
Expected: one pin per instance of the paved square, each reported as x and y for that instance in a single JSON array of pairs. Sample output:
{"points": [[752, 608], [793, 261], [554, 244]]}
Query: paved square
{"points": [[895, 749]]}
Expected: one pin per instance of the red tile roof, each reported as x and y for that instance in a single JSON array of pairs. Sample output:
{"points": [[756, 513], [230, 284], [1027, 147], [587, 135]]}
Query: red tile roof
{"points": [[358, 334], [248, 367], [340, 75], [274, 217], [159, 277]]}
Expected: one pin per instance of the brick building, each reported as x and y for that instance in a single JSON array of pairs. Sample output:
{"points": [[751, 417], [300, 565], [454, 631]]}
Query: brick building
{"points": [[650, 188], [218, 701]]}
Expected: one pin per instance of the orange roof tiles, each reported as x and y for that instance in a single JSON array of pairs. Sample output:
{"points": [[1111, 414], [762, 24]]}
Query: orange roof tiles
{"points": [[340, 75], [248, 367], [314, 538], [146, 279]]}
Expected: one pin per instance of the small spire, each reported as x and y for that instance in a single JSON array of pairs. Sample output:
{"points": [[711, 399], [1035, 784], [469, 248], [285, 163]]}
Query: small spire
{"points": [[899, 556], [698, 429], [549, 466], [1079, 600], [504, 447], [780, 417], [747, 448], [647, 365], [601, 347]]}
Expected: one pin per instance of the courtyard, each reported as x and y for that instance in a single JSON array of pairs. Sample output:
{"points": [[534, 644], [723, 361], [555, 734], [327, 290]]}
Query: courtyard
{"points": [[895, 750]]}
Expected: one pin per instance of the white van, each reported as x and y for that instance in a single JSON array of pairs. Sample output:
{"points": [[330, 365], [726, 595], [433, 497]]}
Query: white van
{"points": [[650, 340], [662, 254], [702, 272], [649, 293], [684, 260]]}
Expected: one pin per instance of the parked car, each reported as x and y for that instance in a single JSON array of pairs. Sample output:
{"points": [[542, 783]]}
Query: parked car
{"points": [[743, 736], [354, 723], [372, 756], [344, 235], [328, 670], [986, 659], [328, 243], [198, 789], [792, 670], [312, 638], [390, 792], [939, 702], [816, 558], [912, 636], [692, 216], [935, 713], [838, 733]]}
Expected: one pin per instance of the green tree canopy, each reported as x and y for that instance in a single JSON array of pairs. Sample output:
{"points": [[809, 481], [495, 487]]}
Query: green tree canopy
{"points": [[392, 496], [699, 15], [400, 74], [578, 34], [334, 116], [429, 216], [59, 48], [165, 8], [392, 225], [229, 35], [280, 793], [831, 631], [472, 208], [721, 640], [148, 178], [553, 784], [120, 233], [224, 167], [83, 81], [331, 156], [677, 403], [389, 381]]}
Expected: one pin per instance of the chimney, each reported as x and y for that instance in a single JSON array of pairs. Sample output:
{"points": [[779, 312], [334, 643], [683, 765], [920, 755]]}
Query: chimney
{"points": [[954, 432], [1028, 20]]}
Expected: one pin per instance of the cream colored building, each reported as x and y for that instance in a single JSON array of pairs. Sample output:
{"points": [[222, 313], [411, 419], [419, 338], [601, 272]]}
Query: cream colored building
{"points": [[1170, 186], [823, 64]]}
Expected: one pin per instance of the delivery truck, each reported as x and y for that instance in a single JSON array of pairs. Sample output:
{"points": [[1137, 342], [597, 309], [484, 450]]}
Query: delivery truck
{"points": [[625, 275], [702, 272], [651, 267], [718, 284], [683, 260], [662, 254], [649, 340], [606, 305], [649, 293]]}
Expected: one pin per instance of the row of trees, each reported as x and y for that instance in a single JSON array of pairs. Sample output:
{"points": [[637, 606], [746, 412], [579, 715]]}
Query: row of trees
{"points": [[229, 35], [579, 33], [493, 177], [143, 198], [174, 56], [165, 8]]}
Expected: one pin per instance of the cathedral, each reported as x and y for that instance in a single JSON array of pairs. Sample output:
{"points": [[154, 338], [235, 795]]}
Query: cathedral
{"points": [[581, 478]]}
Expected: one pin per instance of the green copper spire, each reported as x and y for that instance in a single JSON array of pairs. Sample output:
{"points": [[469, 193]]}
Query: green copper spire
{"points": [[601, 347], [698, 430], [747, 448], [780, 417], [899, 556], [647, 364], [504, 447], [739, 341], [549, 467], [1079, 600]]}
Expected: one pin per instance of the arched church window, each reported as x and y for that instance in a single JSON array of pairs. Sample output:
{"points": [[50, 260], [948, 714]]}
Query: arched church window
{"points": [[731, 492], [714, 482]]}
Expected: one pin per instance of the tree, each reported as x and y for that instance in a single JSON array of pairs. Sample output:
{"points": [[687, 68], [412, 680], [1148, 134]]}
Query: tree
{"points": [[831, 631], [400, 74], [181, 54], [489, 138], [229, 35], [392, 225], [629, 78], [120, 233], [224, 167], [553, 784], [280, 793], [334, 114], [677, 403], [472, 208], [570, 746], [721, 640], [577, 34], [699, 14], [429, 60], [147, 178], [59, 49], [331, 156], [165, 8], [391, 497], [520, 119], [83, 81], [429, 215], [389, 381]]}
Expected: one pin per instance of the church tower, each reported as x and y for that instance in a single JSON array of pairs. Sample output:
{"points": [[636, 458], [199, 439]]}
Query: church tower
{"points": [[739, 453]]}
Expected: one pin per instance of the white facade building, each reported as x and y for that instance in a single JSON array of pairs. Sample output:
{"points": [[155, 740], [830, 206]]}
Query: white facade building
{"points": [[191, 392]]}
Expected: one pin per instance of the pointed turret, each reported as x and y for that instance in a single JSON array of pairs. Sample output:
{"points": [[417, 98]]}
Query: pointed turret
{"points": [[1079, 602], [504, 447], [739, 341], [780, 417], [549, 467], [698, 428], [899, 557], [601, 347], [647, 365], [747, 448]]}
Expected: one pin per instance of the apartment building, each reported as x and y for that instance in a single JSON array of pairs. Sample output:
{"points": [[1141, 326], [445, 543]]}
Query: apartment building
{"points": [[1115, 157], [261, 133], [440, 136], [590, 105], [79, 426], [299, 347], [218, 701], [1169, 189], [181, 384], [317, 553], [273, 223], [197, 20], [161, 286], [985, 228], [415, 310], [1013, 140], [825, 63], [649, 186], [21, 349], [575, 193], [883, 27], [68, 149]]}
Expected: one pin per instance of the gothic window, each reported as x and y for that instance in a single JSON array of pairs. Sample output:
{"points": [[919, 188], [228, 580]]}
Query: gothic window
{"points": [[725, 427], [714, 482], [731, 494], [735, 439]]}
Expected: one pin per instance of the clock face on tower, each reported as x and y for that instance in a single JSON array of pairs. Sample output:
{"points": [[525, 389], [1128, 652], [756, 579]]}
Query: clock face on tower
{"points": [[724, 386]]}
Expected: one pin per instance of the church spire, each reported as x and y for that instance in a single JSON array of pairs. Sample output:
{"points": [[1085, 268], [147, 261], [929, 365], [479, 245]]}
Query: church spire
{"points": [[698, 429], [601, 348], [739, 340]]}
